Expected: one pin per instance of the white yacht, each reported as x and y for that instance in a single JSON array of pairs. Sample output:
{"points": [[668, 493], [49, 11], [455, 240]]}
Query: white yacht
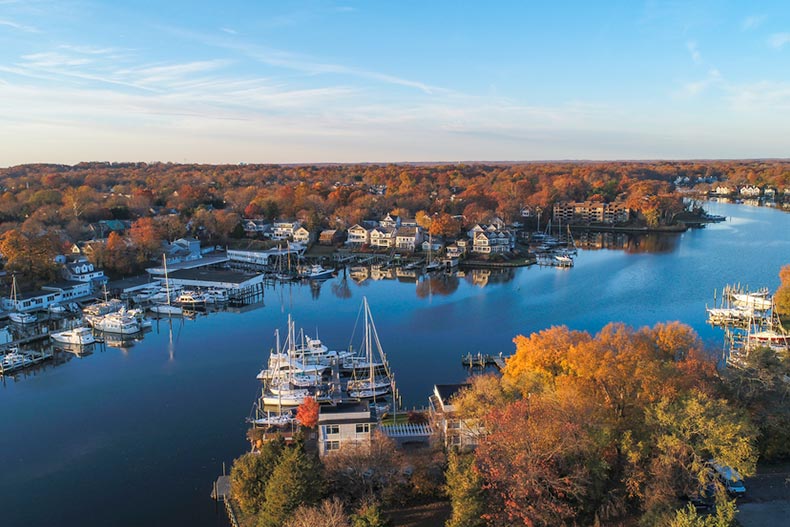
{"points": [[76, 336], [22, 318], [120, 323]]}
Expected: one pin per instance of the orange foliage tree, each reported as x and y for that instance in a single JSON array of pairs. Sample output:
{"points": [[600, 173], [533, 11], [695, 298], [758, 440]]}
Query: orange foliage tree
{"points": [[307, 413]]}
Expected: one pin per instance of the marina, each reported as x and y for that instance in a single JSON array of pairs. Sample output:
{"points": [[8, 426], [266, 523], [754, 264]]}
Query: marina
{"points": [[188, 383]]}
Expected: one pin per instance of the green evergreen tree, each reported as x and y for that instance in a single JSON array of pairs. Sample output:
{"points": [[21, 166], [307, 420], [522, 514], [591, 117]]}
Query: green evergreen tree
{"points": [[250, 474], [296, 480], [464, 487], [368, 515]]}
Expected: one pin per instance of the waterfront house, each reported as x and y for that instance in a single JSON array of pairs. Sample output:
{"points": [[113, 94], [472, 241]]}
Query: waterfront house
{"points": [[302, 235], [390, 222], [452, 430], [434, 244], [330, 237], [723, 190], [382, 237], [284, 230], [408, 238], [256, 227], [750, 191], [358, 236], [343, 425], [491, 239], [457, 249], [81, 270]]}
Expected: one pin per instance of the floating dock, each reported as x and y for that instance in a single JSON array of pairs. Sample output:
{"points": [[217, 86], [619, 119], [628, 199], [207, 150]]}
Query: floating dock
{"points": [[481, 360]]}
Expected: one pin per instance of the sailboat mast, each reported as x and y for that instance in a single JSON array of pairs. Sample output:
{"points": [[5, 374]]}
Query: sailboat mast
{"points": [[167, 282]]}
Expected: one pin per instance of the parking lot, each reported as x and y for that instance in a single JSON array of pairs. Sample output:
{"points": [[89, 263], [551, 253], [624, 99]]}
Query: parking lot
{"points": [[767, 500]]}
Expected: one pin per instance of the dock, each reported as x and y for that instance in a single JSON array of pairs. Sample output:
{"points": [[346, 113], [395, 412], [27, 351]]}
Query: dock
{"points": [[32, 358], [221, 493], [481, 360]]}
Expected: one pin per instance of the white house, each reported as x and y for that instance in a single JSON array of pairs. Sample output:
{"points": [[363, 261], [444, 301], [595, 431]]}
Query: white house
{"points": [[358, 235], [390, 222], [750, 191], [284, 230], [723, 190], [81, 270], [382, 237], [346, 424], [302, 235], [408, 238]]}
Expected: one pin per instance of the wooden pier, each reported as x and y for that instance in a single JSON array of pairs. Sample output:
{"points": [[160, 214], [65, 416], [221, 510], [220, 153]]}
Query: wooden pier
{"points": [[33, 358], [481, 360]]}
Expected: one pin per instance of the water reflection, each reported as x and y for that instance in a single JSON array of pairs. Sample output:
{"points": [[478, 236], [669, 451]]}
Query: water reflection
{"points": [[437, 284], [633, 243]]}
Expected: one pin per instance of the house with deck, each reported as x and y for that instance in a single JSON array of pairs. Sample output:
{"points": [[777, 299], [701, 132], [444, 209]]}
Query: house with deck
{"points": [[358, 236], [451, 429], [344, 425]]}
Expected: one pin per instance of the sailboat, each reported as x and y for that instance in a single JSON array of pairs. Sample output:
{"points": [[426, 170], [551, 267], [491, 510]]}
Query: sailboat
{"points": [[378, 383], [166, 308], [279, 390], [432, 265], [17, 316]]}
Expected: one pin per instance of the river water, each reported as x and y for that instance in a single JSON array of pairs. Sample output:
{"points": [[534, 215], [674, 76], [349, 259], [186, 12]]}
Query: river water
{"points": [[135, 436]]}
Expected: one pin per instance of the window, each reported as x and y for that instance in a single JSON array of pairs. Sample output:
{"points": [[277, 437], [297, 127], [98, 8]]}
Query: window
{"points": [[332, 445], [332, 429], [363, 428]]}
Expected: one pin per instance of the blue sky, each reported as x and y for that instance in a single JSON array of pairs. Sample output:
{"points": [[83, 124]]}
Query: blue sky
{"points": [[354, 81]]}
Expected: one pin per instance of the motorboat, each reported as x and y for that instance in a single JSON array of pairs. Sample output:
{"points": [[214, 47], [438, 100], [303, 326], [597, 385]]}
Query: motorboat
{"points": [[103, 308], [317, 272], [22, 318], [56, 309], [191, 297], [80, 336], [120, 323]]}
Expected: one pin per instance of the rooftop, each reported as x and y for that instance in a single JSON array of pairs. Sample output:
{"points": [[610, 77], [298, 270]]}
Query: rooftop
{"points": [[447, 391]]}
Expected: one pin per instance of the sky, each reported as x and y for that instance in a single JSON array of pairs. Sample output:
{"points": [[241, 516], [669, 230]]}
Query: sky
{"points": [[391, 81]]}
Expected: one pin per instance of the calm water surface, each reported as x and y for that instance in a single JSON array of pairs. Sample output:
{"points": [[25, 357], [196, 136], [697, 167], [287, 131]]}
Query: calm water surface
{"points": [[135, 436]]}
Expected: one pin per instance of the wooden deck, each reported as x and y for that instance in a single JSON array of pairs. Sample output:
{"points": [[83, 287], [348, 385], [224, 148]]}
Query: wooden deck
{"points": [[481, 360]]}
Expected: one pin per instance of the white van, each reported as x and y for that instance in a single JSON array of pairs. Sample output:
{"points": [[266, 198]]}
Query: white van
{"points": [[730, 478]]}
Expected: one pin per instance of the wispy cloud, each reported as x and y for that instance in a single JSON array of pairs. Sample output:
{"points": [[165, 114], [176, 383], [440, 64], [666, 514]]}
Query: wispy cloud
{"points": [[778, 40], [694, 88], [300, 62], [228, 30], [752, 22], [760, 96], [693, 50], [18, 26]]}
